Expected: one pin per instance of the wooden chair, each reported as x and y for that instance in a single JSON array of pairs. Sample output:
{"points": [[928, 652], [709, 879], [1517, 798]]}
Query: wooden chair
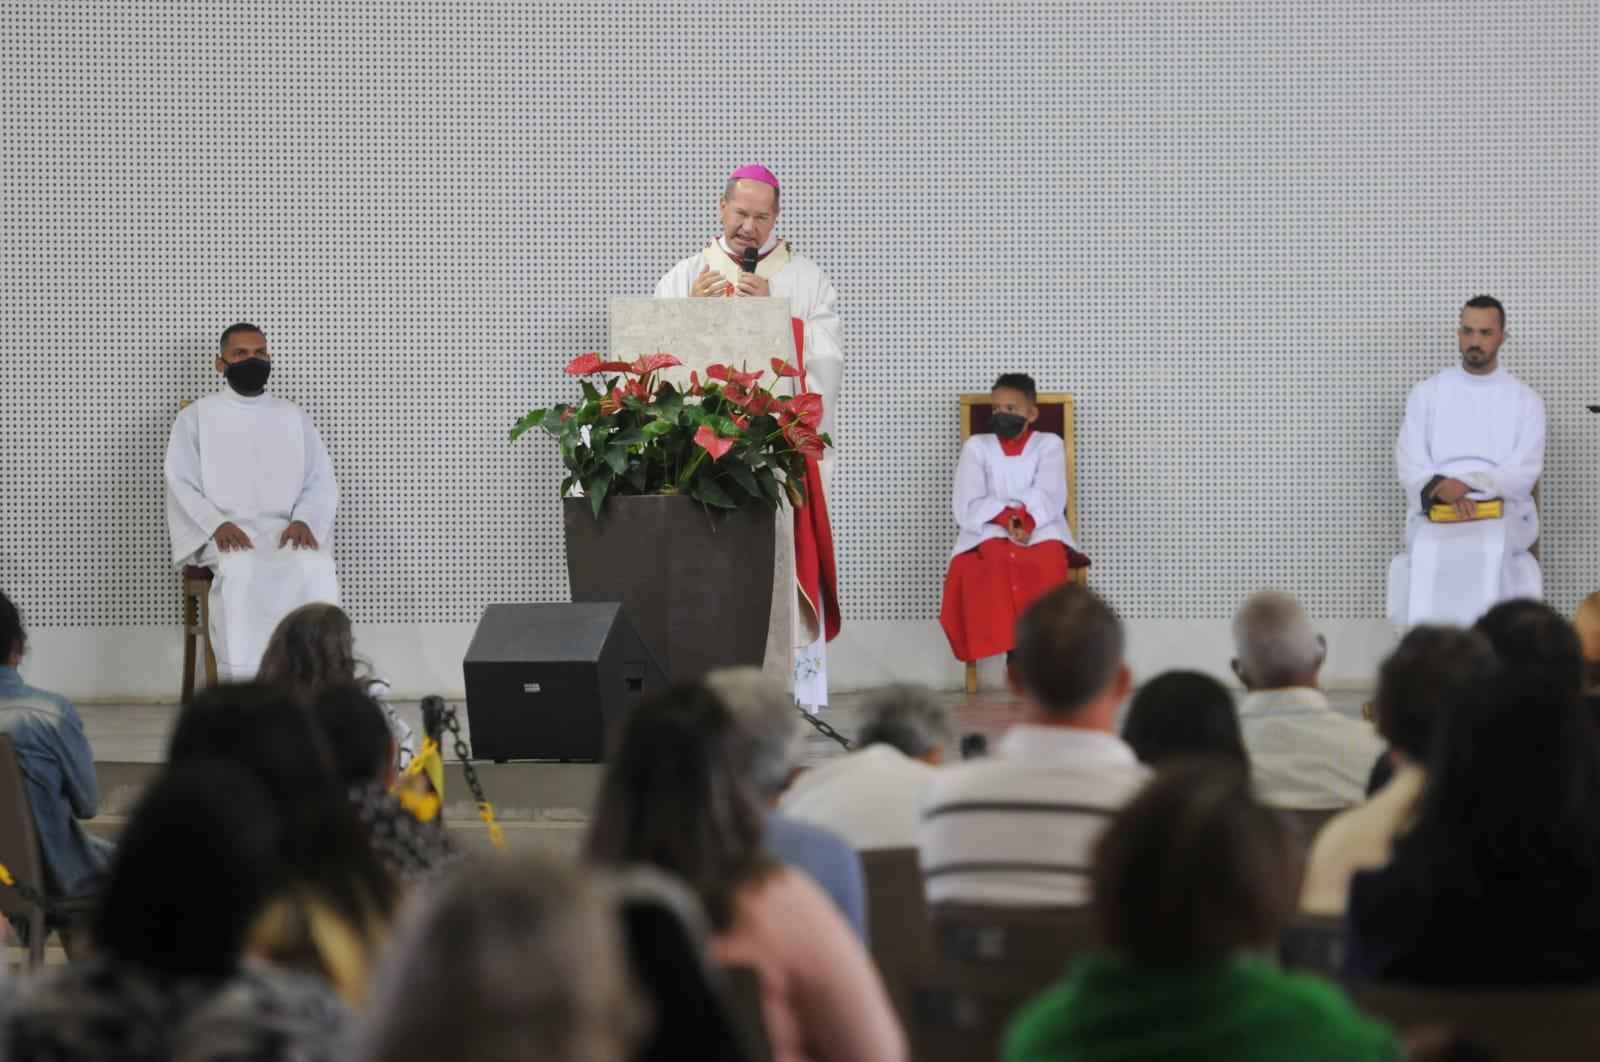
{"points": [[1537, 1025], [196, 584], [989, 962], [897, 920], [19, 851], [1055, 416]]}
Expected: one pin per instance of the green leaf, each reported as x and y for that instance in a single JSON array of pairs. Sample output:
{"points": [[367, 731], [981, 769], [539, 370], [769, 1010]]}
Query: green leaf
{"points": [[741, 474], [668, 401], [657, 428], [770, 486], [617, 457], [709, 491], [531, 420], [628, 436], [590, 394], [595, 487], [551, 421]]}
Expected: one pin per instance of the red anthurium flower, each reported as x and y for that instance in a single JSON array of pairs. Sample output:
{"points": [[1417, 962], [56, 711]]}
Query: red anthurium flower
{"points": [[709, 441], [760, 402], [723, 372], [611, 403], [783, 368], [637, 389], [645, 364], [694, 384], [803, 439], [743, 422], [591, 363], [806, 408], [718, 371]]}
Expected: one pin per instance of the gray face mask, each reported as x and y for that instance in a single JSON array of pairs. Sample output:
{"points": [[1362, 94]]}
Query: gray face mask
{"points": [[248, 377], [1007, 425]]}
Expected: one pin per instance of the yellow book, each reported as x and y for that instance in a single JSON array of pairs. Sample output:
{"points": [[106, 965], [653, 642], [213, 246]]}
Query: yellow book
{"points": [[1489, 509]]}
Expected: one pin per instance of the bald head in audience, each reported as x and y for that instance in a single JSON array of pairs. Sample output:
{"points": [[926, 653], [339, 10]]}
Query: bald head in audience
{"points": [[1275, 645]]}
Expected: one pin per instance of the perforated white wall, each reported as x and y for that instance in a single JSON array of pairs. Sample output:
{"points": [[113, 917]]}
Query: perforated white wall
{"points": [[1237, 231]]}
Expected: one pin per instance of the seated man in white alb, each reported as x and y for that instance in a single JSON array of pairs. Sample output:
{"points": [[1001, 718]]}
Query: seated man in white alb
{"points": [[1303, 753], [251, 495], [1472, 434], [873, 797]]}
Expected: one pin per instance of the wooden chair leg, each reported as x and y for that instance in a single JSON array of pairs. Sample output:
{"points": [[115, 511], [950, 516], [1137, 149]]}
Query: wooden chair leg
{"points": [[972, 677], [205, 638], [36, 935], [191, 619]]}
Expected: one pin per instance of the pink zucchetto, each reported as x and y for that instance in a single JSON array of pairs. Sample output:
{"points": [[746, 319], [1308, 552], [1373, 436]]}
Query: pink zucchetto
{"points": [[755, 173]]}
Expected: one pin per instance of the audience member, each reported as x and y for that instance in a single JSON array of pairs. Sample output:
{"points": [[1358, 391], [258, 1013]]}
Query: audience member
{"points": [[1302, 752], [1193, 883], [334, 910], [1433, 670], [1017, 827], [765, 715], [519, 959], [679, 795], [58, 768], [170, 978], [313, 648], [1182, 714], [1587, 624], [1497, 885], [363, 747], [872, 797]]}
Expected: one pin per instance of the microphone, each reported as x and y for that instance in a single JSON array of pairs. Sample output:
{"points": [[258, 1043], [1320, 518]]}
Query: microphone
{"points": [[750, 259]]}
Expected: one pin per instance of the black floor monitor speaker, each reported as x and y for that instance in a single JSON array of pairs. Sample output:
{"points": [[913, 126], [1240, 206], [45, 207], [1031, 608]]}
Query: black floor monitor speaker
{"points": [[546, 682]]}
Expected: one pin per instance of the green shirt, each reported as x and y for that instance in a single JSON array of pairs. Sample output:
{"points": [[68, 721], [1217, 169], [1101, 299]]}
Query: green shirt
{"points": [[1242, 1010]]}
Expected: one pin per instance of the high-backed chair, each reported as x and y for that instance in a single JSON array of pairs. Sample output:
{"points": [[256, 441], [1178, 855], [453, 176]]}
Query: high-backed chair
{"points": [[19, 851], [1524, 1025], [1055, 417], [897, 920]]}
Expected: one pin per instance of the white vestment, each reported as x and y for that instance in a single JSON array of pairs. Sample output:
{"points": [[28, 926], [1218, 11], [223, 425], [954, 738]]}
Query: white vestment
{"points": [[1488, 432], [988, 482], [811, 300], [260, 464]]}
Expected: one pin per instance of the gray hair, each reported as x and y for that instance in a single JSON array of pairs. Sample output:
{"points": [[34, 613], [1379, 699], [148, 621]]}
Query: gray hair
{"points": [[727, 189], [764, 713], [907, 717], [516, 951], [1274, 641]]}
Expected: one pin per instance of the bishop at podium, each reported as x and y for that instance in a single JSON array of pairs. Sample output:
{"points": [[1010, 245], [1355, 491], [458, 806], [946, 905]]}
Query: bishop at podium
{"points": [[748, 212]]}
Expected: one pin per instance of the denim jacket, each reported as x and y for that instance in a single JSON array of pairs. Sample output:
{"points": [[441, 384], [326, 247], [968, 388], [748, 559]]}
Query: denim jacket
{"points": [[59, 768]]}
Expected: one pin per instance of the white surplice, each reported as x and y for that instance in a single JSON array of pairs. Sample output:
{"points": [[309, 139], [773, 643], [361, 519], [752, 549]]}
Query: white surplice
{"points": [[1487, 431], [258, 463], [988, 482], [812, 300]]}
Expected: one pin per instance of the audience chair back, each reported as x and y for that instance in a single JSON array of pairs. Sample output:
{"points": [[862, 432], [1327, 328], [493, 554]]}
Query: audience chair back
{"points": [[1526, 1025], [989, 962], [19, 851], [1055, 417], [897, 921]]}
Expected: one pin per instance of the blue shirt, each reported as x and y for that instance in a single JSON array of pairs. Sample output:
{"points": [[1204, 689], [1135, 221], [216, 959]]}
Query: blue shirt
{"points": [[825, 856], [59, 768]]}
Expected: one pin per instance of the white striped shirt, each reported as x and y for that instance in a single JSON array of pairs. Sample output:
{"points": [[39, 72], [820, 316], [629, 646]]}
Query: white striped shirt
{"points": [[1019, 828]]}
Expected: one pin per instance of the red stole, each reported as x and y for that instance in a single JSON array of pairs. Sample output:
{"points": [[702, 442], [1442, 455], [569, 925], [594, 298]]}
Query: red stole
{"points": [[815, 575]]}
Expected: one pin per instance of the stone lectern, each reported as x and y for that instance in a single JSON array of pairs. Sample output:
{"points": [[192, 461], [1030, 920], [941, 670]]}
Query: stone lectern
{"points": [[746, 333]]}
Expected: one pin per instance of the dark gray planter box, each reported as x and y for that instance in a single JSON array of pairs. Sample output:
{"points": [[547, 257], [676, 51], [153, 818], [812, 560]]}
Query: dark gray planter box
{"points": [[695, 584]]}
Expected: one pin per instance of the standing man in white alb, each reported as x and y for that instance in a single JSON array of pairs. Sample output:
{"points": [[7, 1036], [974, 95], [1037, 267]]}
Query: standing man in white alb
{"points": [[1470, 453], [251, 495], [748, 211]]}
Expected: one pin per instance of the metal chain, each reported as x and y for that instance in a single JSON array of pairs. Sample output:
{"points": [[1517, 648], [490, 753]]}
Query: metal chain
{"points": [[823, 728], [464, 754]]}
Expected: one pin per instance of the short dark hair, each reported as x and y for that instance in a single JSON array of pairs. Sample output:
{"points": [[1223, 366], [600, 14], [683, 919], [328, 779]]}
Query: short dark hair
{"points": [[13, 636], [359, 739], [1183, 713], [1195, 869], [1538, 648], [1488, 302], [1017, 381], [1069, 645], [242, 326], [1432, 671]]}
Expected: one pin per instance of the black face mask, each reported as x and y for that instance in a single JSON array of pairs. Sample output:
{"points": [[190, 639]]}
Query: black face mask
{"points": [[1007, 425], [248, 377]]}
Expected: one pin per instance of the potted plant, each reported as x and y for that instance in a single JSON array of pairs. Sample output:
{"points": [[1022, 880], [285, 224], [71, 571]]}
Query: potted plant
{"points": [[671, 495]]}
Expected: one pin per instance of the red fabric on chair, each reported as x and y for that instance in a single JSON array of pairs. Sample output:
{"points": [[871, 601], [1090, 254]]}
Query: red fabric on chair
{"points": [[196, 571]]}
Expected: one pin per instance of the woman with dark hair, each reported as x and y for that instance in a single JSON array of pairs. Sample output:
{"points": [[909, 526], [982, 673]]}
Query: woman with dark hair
{"points": [[1183, 713], [1192, 884], [678, 796], [312, 650], [169, 978], [337, 899], [1497, 885]]}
